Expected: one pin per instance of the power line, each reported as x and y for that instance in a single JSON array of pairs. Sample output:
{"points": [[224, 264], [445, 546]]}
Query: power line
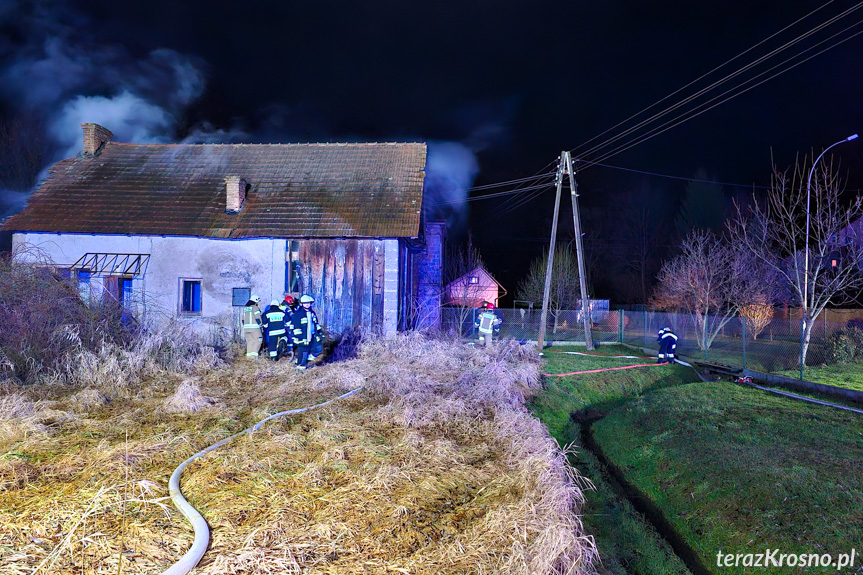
{"points": [[672, 177], [508, 182], [692, 113], [518, 197], [584, 153]]}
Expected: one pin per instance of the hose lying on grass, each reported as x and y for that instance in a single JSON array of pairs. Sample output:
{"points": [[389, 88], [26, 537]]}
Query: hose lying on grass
{"points": [[801, 397], [603, 369], [202, 532], [748, 381], [609, 355]]}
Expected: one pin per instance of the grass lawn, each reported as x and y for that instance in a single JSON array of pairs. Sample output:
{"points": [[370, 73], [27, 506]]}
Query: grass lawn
{"points": [[849, 375], [739, 470], [626, 543]]}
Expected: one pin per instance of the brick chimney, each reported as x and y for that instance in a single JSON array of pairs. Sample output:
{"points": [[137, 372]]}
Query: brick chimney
{"points": [[95, 138], [235, 188]]}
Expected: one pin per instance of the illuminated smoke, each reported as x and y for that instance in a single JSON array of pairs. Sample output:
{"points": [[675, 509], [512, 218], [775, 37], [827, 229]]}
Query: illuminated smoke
{"points": [[450, 170]]}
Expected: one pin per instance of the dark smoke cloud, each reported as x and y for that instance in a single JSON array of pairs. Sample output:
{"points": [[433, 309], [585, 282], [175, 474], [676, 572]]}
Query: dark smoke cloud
{"points": [[54, 74]]}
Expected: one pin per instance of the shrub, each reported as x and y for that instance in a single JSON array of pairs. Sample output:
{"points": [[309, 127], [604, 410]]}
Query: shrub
{"points": [[47, 330], [44, 319], [846, 345]]}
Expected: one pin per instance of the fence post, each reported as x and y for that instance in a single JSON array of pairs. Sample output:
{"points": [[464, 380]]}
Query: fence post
{"points": [[620, 313], [645, 327], [743, 331]]}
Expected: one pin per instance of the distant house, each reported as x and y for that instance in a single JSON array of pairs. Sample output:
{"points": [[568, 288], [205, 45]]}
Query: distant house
{"points": [[192, 230], [473, 289]]}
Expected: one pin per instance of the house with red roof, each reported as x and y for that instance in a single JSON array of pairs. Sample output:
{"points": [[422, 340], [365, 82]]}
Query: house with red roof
{"points": [[192, 230], [473, 289]]}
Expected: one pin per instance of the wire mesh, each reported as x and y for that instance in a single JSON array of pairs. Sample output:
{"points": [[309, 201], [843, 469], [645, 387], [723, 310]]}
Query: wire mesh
{"points": [[771, 346]]}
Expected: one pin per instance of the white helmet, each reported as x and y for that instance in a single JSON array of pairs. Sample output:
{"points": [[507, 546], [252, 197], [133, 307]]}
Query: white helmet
{"points": [[256, 298], [275, 303], [307, 299]]}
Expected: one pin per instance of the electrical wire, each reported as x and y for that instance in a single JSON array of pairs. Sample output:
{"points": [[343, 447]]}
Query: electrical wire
{"points": [[508, 182], [658, 175], [524, 194], [578, 152], [702, 108]]}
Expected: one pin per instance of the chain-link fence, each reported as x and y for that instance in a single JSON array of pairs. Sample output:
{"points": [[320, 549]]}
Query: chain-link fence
{"points": [[523, 324], [771, 346]]}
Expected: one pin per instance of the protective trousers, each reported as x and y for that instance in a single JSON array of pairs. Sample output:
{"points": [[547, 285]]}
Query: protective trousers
{"points": [[305, 351], [253, 341]]}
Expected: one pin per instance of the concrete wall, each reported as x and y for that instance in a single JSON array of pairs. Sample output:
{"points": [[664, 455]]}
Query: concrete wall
{"points": [[221, 265], [391, 286]]}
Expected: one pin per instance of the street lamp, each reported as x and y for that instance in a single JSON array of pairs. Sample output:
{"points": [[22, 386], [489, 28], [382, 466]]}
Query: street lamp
{"points": [[806, 247]]}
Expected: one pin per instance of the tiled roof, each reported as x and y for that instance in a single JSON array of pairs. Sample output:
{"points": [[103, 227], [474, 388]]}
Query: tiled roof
{"points": [[297, 190]]}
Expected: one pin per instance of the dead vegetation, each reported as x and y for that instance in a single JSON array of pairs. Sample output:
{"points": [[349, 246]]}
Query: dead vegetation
{"points": [[434, 467]]}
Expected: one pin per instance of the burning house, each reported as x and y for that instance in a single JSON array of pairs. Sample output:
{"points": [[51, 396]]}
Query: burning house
{"points": [[191, 230]]}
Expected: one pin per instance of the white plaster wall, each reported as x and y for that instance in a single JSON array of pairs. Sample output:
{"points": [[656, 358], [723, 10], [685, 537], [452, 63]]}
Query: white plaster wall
{"points": [[391, 286], [221, 265]]}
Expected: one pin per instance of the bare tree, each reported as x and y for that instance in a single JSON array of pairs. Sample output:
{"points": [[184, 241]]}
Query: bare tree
{"points": [[711, 281], [639, 232], [775, 234], [565, 289]]}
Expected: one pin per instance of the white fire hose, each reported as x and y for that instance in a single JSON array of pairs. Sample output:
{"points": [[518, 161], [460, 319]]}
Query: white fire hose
{"points": [[202, 531]]}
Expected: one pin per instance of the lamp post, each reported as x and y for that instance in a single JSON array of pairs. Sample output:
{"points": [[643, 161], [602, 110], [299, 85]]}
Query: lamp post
{"points": [[805, 305]]}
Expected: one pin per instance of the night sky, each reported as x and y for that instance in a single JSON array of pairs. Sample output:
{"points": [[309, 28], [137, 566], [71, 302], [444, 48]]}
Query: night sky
{"points": [[498, 89]]}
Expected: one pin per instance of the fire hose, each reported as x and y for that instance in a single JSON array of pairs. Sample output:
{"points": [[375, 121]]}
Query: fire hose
{"points": [[202, 531]]}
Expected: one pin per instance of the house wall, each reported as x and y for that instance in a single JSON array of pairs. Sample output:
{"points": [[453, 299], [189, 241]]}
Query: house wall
{"points": [[354, 282], [221, 265], [470, 295]]}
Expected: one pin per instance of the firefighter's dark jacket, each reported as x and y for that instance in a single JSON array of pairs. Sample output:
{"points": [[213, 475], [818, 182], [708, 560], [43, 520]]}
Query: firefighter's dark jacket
{"points": [[305, 327], [275, 320]]}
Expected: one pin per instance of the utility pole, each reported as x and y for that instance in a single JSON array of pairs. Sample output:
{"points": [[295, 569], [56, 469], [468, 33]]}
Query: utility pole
{"points": [[579, 251], [546, 293], [565, 168]]}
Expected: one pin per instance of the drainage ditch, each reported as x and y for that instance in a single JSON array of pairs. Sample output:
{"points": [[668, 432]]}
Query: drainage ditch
{"points": [[640, 502]]}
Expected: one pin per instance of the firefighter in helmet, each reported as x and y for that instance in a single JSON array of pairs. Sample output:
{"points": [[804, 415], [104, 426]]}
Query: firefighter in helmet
{"points": [[307, 332], [487, 323], [252, 326], [289, 304]]}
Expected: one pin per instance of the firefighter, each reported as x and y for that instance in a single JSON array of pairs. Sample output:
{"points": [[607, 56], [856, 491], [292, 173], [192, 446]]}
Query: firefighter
{"points": [[274, 322], [667, 345], [252, 326], [487, 323], [307, 333], [289, 304]]}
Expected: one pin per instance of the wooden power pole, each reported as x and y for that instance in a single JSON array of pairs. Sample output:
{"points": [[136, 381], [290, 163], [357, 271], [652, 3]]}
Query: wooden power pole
{"points": [[565, 168], [579, 252]]}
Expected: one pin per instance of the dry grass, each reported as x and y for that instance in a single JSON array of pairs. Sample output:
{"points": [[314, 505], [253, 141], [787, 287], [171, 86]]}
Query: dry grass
{"points": [[435, 467]]}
